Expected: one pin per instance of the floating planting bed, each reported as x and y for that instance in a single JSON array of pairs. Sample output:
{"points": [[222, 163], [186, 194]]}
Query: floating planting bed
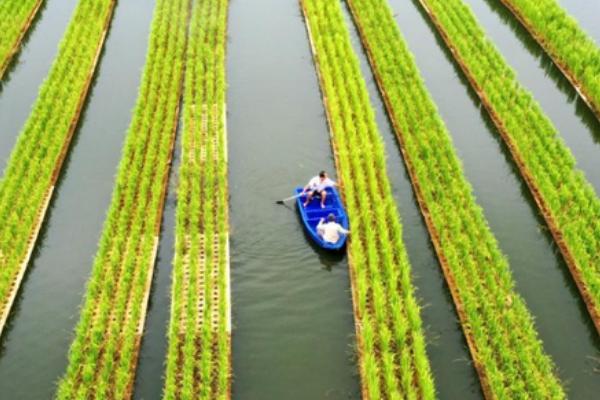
{"points": [[16, 16], [36, 161], [391, 346], [564, 196], [103, 356], [198, 359], [573, 51], [499, 329]]}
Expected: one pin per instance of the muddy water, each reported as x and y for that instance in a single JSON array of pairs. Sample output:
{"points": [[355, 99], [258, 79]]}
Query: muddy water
{"points": [[35, 345]]}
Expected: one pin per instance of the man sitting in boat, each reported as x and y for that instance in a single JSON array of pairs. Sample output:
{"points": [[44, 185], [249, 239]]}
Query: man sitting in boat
{"points": [[316, 188], [330, 231]]}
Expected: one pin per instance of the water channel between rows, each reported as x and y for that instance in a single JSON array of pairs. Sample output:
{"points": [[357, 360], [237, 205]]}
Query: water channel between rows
{"points": [[35, 345], [292, 313]]}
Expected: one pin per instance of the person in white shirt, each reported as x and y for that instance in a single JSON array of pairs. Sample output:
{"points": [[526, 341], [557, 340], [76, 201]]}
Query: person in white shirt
{"points": [[316, 187], [330, 231]]}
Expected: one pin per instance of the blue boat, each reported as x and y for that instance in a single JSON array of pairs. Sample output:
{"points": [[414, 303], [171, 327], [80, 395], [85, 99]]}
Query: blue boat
{"points": [[312, 214]]}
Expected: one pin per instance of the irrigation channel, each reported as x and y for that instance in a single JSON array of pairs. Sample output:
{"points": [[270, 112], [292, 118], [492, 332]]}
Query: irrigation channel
{"points": [[293, 332], [40, 330]]}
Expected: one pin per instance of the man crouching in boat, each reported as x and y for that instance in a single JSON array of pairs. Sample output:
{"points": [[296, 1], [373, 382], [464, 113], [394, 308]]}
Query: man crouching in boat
{"points": [[330, 230], [316, 187]]}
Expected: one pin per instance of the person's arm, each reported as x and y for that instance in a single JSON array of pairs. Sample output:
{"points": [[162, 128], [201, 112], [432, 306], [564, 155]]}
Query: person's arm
{"points": [[308, 186], [342, 230], [320, 226]]}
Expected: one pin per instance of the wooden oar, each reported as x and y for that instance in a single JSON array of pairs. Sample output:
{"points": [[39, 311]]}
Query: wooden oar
{"points": [[289, 198]]}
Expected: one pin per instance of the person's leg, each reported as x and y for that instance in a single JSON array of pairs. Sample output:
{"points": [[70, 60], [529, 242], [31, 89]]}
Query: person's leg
{"points": [[323, 197], [309, 197]]}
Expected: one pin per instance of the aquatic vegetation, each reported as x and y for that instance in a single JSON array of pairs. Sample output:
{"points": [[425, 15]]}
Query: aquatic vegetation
{"points": [[391, 345], [571, 48], [198, 358], [500, 331], [103, 355], [16, 17], [36, 160], [565, 198]]}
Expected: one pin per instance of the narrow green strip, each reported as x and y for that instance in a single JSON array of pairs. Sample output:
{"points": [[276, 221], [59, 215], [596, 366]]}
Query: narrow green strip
{"points": [[565, 197], [198, 358], [391, 343], [36, 160], [565, 41], [500, 330], [16, 17], [103, 356]]}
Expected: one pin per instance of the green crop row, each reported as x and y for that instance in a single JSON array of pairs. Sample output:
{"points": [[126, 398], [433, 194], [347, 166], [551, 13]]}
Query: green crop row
{"points": [[496, 321], [16, 17], [567, 200], [103, 355], [37, 158], [565, 41], [392, 352], [198, 358]]}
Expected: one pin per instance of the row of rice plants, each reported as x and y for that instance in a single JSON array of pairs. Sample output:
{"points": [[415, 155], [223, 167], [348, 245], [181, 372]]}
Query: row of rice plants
{"points": [[499, 329], [16, 17], [103, 356], [35, 162], [391, 345], [198, 358], [572, 49], [565, 198]]}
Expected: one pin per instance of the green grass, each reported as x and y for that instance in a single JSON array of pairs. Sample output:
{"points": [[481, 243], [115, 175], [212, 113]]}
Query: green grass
{"points": [[103, 355], [198, 358], [504, 342], [392, 354]]}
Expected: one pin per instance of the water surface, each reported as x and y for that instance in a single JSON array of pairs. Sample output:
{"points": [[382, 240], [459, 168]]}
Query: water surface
{"points": [[292, 313]]}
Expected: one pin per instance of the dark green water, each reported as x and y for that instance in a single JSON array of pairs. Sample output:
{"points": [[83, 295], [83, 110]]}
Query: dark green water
{"points": [[587, 13], [34, 347], [292, 313]]}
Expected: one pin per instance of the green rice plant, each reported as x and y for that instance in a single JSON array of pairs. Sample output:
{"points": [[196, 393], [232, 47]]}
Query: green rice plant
{"points": [[198, 358], [391, 346], [103, 355], [565, 197], [476, 271], [16, 16], [35, 163], [572, 49]]}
